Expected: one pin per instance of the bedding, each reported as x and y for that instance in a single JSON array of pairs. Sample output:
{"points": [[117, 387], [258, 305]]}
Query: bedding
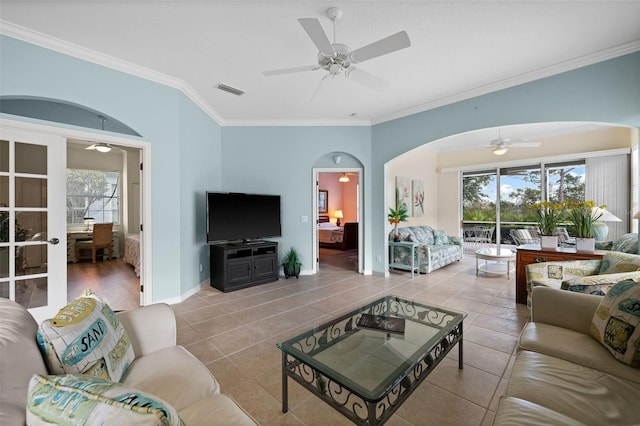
{"points": [[337, 237], [330, 233], [132, 252]]}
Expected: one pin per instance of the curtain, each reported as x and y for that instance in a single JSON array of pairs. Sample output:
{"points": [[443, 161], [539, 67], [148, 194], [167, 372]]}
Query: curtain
{"points": [[607, 181]]}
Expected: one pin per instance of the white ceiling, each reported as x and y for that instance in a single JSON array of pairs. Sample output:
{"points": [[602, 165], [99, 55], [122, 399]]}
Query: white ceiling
{"points": [[459, 48]]}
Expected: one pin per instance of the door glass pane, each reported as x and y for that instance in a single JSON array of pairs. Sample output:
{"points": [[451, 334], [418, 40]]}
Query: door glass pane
{"points": [[520, 190], [31, 226], [31, 158], [479, 197], [565, 182], [32, 293], [4, 191], [4, 262], [4, 290], [4, 156], [31, 192], [31, 259]]}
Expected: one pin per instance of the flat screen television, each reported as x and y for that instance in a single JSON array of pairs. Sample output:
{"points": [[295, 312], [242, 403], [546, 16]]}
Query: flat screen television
{"points": [[234, 216]]}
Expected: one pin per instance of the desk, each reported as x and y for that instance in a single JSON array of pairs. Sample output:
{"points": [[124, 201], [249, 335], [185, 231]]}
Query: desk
{"points": [[415, 261], [531, 253], [492, 254], [73, 236]]}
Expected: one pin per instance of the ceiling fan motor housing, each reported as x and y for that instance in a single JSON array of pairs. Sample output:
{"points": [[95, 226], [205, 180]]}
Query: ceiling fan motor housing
{"points": [[341, 57]]}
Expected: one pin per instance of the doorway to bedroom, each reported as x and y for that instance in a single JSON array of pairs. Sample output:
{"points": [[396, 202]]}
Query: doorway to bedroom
{"points": [[104, 187], [338, 220]]}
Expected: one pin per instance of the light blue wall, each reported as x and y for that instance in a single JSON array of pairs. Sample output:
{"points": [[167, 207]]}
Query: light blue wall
{"points": [[605, 92], [200, 170], [175, 128], [192, 154], [280, 160]]}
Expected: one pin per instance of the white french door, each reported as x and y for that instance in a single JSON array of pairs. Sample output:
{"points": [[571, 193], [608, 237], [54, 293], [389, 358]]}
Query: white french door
{"points": [[33, 227]]}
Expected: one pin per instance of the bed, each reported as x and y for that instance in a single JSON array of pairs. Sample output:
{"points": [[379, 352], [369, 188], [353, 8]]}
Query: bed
{"points": [[132, 252], [337, 237]]}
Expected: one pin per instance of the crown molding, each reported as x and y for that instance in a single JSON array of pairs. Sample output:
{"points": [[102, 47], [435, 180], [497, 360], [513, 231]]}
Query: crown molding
{"points": [[52, 43], [67, 48], [600, 56]]}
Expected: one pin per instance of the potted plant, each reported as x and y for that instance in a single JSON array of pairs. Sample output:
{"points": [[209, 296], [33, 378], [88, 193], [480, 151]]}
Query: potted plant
{"points": [[583, 216], [397, 215], [549, 216], [291, 263]]}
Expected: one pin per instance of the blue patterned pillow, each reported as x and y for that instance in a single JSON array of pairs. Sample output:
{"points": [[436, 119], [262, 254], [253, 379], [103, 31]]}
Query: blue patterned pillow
{"points": [[616, 323], [86, 337], [440, 237], [78, 400], [628, 243]]}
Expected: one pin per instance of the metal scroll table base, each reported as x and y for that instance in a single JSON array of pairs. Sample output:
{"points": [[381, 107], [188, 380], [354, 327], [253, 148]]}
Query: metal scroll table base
{"points": [[353, 406]]}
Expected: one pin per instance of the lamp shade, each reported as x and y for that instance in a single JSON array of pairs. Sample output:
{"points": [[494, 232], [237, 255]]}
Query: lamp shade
{"points": [[605, 215], [343, 178], [338, 214]]}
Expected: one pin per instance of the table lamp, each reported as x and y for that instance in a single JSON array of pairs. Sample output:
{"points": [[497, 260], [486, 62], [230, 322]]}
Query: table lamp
{"points": [[88, 221], [338, 215], [600, 229]]}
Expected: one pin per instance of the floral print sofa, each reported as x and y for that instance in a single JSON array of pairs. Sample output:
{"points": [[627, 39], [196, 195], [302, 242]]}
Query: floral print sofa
{"points": [[584, 276], [436, 249]]}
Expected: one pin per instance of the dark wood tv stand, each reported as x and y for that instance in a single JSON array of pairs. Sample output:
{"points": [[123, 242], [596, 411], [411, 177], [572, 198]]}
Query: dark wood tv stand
{"points": [[237, 265]]}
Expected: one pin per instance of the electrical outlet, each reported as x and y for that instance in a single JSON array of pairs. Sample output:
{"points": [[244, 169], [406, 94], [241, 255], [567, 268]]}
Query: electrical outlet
{"points": [[201, 267], [304, 219]]}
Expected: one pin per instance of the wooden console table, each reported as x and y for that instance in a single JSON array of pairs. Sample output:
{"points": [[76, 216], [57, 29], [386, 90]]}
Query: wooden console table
{"points": [[531, 253]]}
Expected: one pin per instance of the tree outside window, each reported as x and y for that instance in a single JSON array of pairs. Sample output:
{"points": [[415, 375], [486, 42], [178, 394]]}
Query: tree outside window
{"points": [[92, 193]]}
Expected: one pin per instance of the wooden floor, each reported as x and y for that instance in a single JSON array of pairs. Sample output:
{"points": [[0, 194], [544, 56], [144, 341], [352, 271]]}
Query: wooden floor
{"points": [[113, 280]]}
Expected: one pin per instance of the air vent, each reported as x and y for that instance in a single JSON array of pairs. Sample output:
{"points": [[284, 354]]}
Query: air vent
{"points": [[230, 89]]}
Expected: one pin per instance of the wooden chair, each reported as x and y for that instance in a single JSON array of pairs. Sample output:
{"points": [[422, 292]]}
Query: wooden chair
{"points": [[102, 234]]}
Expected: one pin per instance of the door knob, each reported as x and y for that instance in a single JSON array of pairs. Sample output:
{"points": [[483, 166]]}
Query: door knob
{"points": [[53, 241]]}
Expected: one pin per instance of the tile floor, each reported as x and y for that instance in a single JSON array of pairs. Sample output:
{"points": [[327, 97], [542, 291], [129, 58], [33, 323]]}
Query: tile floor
{"points": [[235, 335]]}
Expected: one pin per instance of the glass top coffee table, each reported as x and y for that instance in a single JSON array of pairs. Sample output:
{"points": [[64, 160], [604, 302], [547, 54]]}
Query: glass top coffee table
{"points": [[367, 373]]}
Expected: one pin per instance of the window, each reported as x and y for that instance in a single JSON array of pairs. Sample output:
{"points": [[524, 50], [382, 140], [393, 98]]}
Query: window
{"points": [[515, 190], [92, 194]]}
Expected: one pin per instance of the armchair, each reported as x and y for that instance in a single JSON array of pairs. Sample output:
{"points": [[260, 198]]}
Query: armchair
{"points": [[584, 276]]}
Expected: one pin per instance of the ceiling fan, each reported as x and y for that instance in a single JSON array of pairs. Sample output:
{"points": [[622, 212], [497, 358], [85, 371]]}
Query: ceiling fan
{"points": [[338, 58], [501, 145]]}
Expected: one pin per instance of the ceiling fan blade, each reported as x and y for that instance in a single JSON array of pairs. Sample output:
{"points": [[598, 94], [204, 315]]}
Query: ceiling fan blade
{"points": [[526, 144], [389, 44], [291, 70], [91, 146], [366, 79], [318, 36]]}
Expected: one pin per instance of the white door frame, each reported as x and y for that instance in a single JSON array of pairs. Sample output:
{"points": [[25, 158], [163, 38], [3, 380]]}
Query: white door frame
{"points": [[315, 189], [145, 147]]}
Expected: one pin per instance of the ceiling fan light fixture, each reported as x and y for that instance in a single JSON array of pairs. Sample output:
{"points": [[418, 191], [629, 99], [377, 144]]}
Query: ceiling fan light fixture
{"points": [[500, 150], [343, 178], [103, 147]]}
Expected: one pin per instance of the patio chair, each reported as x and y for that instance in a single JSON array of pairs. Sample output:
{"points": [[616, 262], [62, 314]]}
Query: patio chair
{"points": [[523, 236]]}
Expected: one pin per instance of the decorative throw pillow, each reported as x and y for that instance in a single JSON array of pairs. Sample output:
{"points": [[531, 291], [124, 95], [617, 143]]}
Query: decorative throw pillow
{"points": [[440, 237], [614, 262], [86, 337], [83, 400], [616, 323]]}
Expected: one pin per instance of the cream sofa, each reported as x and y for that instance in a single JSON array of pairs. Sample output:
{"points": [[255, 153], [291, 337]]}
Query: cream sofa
{"points": [[562, 375], [161, 367]]}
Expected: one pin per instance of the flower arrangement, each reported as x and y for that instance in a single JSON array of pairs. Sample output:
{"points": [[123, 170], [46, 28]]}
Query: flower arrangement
{"points": [[397, 215], [583, 215], [549, 216]]}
